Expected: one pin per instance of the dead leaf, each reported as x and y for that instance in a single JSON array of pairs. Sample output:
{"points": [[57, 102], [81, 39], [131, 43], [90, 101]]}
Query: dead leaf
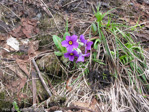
{"points": [[31, 50], [23, 66], [22, 83], [67, 86], [17, 32], [3, 53], [16, 71], [17, 85], [2, 38], [21, 96], [27, 28], [92, 106]]}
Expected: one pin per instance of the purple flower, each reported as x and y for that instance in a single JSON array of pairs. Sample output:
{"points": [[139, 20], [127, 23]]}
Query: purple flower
{"points": [[87, 44], [70, 42], [83, 39], [71, 55], [81, 57]]}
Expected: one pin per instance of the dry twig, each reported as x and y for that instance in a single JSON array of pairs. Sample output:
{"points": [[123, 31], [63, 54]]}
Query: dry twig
{"points": [[34, 87], [41, 78]]}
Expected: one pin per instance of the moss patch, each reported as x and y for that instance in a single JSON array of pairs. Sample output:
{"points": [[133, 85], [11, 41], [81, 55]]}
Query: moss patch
{"points": [[49, 64], [4, 104]]}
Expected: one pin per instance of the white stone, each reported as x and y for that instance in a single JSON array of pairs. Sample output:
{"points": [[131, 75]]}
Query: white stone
{"points": [[13, 42]]}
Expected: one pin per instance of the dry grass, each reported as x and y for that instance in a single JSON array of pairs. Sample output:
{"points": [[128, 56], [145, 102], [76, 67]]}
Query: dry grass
{"points": [[119, 97]]}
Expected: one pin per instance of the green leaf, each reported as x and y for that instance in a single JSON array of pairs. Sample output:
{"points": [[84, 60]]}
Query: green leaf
{"points": [[124, 35], [94, 55], [109, 22], [98, 61], [106, 46], [96, 43], [86, 71], [113, 53], [58, 53], [145, 96], [98, 16], [57, 41], [123, 58], [121, 32], [108, 12], [16, 106], [128, 45], [98, 7], [66, 34], [94, 28]]}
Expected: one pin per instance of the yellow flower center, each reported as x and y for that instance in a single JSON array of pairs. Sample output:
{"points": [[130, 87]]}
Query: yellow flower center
{"points": [[71, 54], [70, 42]]}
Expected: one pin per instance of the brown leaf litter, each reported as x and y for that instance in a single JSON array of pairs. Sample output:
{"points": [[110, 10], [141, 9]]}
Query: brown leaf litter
{"points": [[27, 29], [86, 106]]}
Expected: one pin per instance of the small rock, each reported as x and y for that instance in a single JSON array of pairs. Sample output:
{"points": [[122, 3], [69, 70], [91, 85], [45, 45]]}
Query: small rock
{"points": [[146, 1], [13, 42], [58, 111]]}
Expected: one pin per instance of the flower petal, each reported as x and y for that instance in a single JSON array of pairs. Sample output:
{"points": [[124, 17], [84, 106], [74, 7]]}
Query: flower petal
{"points": [[86, 55], [64, 43], [75, 45], [66, 55], [88, 45], [80, 58], [69, 48], [74, 37], [71, 58], [68, 38], [75, 53], [82, 39]]}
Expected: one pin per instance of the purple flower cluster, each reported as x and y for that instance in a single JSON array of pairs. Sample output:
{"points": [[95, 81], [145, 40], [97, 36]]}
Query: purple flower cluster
{"points": [[71, 43]]}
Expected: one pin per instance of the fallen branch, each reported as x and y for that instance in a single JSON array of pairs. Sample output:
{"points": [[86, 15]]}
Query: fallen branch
{"points": [[34, 87], [41, 78]]}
